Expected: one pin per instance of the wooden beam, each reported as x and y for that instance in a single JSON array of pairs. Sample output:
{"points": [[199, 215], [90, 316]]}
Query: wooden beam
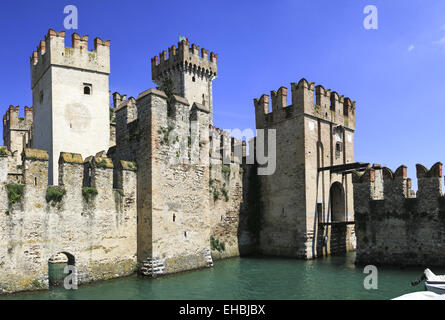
{"points": [[346, 167]]}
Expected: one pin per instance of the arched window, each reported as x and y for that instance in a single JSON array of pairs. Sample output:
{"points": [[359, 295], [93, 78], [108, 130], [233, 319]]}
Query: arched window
{"points": [[87, 88]]}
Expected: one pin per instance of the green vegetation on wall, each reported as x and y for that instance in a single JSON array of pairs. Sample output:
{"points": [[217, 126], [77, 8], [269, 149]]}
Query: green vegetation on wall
{"points": [[54, 194], [102, 163], [168, 87], [225, 170], [15, 192], [89, 193], [166, 133], [215, 194], [225, 192], [215, 244]]}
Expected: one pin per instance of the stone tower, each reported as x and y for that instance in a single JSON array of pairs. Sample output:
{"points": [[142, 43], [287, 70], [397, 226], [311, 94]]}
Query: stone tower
{"points": [[191, 73], [306, 207], [17, 134], [70, 97]]}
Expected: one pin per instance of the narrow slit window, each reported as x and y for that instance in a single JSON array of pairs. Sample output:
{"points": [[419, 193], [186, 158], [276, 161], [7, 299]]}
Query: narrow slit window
{"points": [[338, 149]]}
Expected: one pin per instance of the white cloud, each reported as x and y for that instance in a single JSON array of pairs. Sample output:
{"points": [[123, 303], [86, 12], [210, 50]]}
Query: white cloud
{"points": [[440, 42], [411, 48]]}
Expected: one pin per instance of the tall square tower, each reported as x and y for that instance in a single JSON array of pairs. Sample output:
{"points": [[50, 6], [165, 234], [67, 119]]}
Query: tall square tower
{"points": [[70, 97], [307, 205], [192, 74]]}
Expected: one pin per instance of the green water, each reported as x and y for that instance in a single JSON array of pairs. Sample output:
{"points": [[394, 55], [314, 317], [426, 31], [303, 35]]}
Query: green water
{"points": [[252, 278]]}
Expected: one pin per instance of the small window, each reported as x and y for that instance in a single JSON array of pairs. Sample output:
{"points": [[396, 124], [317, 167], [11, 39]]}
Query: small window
{"points": [[193, 79], [41, 97], [320, 211], [87, 88], [338, 149]]}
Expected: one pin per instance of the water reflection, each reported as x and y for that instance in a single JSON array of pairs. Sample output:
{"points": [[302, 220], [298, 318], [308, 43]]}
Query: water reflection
{"points": [[251, 278]]}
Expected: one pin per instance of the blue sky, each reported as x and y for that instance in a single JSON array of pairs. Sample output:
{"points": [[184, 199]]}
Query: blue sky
{"points": [[395, 73]]}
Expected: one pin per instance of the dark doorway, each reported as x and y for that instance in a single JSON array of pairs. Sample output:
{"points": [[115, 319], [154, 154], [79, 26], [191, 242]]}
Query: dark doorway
{"points": [[338, 219], [56, 268], [337, 200]]}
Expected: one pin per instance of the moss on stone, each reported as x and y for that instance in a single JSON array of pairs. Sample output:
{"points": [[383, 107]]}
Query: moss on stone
{"points": [[35, 154], [215, 244], [103, 162], [225, 192], [89, 193], [225, 170], [69, 157], [128, 165], [215, 195], [3, 152], [15, 192], [54, 194], [166, 134]]}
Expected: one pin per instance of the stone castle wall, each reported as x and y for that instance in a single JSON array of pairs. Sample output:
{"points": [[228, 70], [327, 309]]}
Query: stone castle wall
{"points": [[229, 197], [173, 203], [394, 227], [195, 197], [187, 194], [100, 234]]}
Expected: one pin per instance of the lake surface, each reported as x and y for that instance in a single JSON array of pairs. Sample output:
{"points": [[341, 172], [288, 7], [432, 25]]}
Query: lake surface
{"points": [[252, 278]]}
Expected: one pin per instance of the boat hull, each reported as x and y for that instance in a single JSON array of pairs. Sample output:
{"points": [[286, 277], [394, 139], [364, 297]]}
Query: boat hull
{"points": [[436, 287]]}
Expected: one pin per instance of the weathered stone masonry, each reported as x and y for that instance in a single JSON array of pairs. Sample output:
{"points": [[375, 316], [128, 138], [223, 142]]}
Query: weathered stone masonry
{"points": [[184, 202], [394, 227], [315, 131], [100, 234], [166, 191]]}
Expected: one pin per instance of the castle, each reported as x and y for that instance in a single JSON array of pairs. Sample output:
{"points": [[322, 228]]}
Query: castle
{"points": [[150, 185]]}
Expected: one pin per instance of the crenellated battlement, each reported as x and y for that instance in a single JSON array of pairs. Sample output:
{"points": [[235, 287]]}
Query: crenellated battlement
{"points": [[184, 58], [52, 51], [95, 171], [83, 216], [394, 189], [224, 148], [392, 225], [13, 121], [188, 72], [308, 99], [17, 134]]}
